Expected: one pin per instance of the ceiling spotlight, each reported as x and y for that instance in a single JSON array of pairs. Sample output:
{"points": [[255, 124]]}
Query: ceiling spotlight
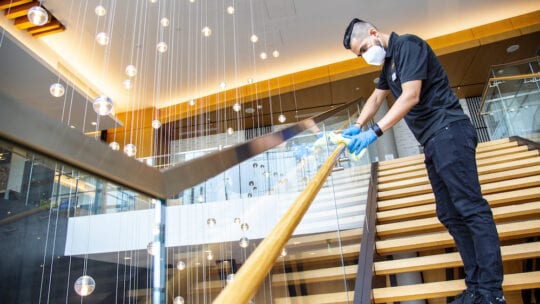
{"points": [[127, 84], [230, 10], [156, 124], [164, 22], [103, 105], [131, 70], [254, 38], [93, 123], [282, 118], [84, 285], [512, 48], [37, 15], [100, 10], [192, 102], [237, 107], [192, 1], [275, 54], [130, 150], [206, 31], [57, 90], [161, 47], [102, 38], [153, 1], [114, 145], [263, 55]]}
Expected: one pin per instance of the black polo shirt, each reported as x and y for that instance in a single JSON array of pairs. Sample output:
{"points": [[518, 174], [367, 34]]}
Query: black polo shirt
{"points": [[408, 58]]}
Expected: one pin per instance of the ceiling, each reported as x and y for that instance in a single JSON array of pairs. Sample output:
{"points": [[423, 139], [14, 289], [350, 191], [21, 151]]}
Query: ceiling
{"points": [[307, 34]]}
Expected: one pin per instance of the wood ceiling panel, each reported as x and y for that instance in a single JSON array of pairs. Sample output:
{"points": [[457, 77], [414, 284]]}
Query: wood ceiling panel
{"points": [[456, 65]]}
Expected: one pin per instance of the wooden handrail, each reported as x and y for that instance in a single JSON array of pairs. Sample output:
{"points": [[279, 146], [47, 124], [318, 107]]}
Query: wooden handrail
{"points": [[250, 276]]}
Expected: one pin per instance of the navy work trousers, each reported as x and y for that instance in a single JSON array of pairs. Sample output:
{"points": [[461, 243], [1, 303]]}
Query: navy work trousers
{"points": [[451, 164]]}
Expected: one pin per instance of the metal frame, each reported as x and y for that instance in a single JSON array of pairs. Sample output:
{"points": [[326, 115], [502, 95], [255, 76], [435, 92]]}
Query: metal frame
{"points": [[364, 274], [28, 128]]}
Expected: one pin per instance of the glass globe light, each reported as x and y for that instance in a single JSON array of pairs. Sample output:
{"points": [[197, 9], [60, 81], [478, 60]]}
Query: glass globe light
{"points": [[130, 150], [156, 123], [222, 85], [100, 10], [244, 242], [192, 1], [230, 277], [250, 80], [127, 84], [254, 38], [178, 300], [263, 55], [236, 107], [211, 222], [230, 131], [180, 265], [282, 118], [153, 1], [237, 220], [102, 38], [114, 145], [164, 22], [200, 199], [84, 285], [153, 248], [206, 31], [275, 54], [131, 70], [103, 105], [283, 252], [244, 227], [192, 102], [57, 89], [161, 47], [210, 256], [230, 10], [37, 15]]}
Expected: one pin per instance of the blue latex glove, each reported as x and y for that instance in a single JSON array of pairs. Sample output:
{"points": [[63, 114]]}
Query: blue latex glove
{"points": [[354, 130], [360, 141]]}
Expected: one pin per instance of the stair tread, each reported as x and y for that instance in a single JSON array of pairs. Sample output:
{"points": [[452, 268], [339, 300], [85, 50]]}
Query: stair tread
{"points": [[511, 282], [448, 260], [443, 239], [316, 275], [327, 298], [421, 225]]}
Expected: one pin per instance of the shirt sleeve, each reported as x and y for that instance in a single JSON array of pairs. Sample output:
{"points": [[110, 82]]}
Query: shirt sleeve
{"points": [[383, 84], [412, 60]]}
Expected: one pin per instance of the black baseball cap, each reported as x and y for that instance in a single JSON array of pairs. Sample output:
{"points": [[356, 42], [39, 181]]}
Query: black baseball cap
{"points": [[348, 32]]}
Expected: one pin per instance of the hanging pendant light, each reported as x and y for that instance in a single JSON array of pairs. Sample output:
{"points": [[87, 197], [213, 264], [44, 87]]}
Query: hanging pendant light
{"points": [[115, 146], [180, 265], [37, 15], [131, 70], [161, 47], [178, 300], [236, 107], [244, 227], [100, 10], [282, 118], [57, 90], [156, 124], [244, 242], [102, 38], [84, 285], [103, 105], [130, 150]]}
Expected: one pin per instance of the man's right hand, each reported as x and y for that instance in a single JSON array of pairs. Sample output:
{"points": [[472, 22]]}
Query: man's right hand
{"points": [[351, 131]]}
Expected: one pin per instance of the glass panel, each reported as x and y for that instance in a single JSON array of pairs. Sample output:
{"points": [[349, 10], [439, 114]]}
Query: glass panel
{"points": [[512, 100], [59, 223], [225, 218]]}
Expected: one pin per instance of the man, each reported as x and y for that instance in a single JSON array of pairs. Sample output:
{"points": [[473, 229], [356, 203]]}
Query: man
{"points": [[423, 97]]}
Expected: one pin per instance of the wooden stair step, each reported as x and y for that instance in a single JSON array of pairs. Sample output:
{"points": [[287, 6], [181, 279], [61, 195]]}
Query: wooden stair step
{"points": [[443, 239], [315, 276], [518, 281], [344, 297], [485, 152], [484, 178], [487, 188], [395, 209], [323, 254], [479, 162], [424, 225], [323, 238], [449, 260]]}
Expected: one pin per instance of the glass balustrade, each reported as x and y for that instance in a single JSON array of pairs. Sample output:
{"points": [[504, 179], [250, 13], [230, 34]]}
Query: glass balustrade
{"points": [[511, 100], [66, 232]]}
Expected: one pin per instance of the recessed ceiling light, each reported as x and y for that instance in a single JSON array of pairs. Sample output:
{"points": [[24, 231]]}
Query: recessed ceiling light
{"points": [[249, 110], [512, 48], [93, 123]]}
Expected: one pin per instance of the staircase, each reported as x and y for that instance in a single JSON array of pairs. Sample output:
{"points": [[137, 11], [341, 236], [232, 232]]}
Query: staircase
{"points": [[406, 223]]}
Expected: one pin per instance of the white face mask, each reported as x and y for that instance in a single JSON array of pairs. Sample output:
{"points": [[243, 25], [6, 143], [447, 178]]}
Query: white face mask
{"points": [[374, 55]]}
